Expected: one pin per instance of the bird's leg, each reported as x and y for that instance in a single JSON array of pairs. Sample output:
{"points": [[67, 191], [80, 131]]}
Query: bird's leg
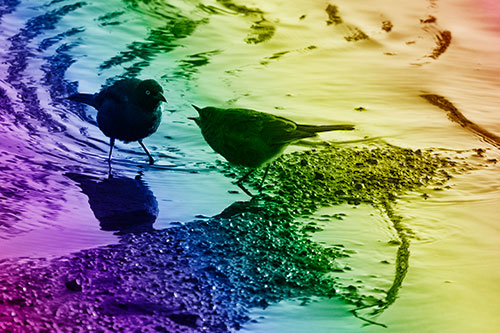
{"points": [[244, 189], [151, 160], [245, 176], [263, 178], [111, 145], [242, 179]]}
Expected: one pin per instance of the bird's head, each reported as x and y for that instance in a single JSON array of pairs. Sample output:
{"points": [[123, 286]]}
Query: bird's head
{"points": [[201, 113], [207, 115], [197, 120], [150, 93]]}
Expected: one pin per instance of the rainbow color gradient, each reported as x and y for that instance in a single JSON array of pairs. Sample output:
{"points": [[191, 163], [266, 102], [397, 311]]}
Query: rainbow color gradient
{"points": [[390, 227]]}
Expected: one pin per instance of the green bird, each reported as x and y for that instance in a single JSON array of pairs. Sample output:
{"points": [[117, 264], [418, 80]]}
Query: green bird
{"points": [[252, 138]]}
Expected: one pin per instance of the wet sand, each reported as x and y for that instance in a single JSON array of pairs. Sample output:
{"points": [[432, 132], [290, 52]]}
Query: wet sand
{"points": [[206, 275]]}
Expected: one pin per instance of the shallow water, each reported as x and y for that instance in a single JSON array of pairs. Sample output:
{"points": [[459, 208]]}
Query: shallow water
{"points": [[294, 60]]}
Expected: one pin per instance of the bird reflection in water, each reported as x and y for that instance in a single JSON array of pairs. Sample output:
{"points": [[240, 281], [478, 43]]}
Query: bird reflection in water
{"points": [[120, 204]]}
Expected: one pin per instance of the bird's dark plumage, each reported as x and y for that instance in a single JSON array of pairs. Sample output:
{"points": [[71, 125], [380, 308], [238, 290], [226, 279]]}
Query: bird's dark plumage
{"points": [[128, 110], [251, 138]]}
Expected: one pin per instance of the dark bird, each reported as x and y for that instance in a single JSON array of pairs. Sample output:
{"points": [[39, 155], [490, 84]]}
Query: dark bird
{"points": [[251, 138], [128, 110]]}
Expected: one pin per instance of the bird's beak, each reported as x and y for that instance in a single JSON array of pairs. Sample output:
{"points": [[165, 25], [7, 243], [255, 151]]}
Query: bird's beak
{"points": [[160, 97], [196, 108], [197, 120]]}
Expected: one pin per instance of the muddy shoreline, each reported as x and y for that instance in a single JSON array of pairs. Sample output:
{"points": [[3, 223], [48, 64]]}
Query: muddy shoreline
{"points": [[205, 275]]}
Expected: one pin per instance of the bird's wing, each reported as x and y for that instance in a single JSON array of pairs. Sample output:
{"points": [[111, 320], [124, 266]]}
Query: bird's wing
{"points": [[280, 130], [249, 125], [239, 129], [111, 94], [119, 92], [237, 134]]}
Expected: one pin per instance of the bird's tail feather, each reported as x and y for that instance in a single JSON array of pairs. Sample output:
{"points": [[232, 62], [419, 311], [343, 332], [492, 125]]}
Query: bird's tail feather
{"points": [[324, 128], [83, 98]]}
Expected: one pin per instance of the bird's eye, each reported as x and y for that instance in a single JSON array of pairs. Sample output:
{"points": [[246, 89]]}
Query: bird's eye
{"points": [[148, 92]]}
